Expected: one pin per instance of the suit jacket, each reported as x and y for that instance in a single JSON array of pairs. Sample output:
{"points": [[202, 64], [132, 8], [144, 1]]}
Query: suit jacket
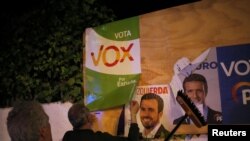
{"points": [[90, 135], [213, 117], [161, 133]]}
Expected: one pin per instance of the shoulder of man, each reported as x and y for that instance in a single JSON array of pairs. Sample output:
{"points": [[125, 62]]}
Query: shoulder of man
{"points": [[214, 116], [162, 132], [177, 120], [213, 112]]}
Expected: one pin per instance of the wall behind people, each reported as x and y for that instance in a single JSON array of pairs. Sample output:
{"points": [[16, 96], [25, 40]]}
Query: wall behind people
{"points": [[58, 118], [187, 30]]}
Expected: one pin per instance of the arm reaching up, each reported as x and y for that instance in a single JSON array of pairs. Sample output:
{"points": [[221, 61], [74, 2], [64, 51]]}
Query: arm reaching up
{"points": [[134, 108]]}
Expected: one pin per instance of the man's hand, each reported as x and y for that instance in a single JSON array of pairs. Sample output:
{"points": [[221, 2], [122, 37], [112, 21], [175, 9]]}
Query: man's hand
{"points": [[134, 108]]}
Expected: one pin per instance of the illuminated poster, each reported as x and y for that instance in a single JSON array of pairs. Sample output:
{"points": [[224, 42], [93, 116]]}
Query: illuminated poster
{"points": [[234, 78], [227, 99], [112, 63], [163, 93], [227, 73]]}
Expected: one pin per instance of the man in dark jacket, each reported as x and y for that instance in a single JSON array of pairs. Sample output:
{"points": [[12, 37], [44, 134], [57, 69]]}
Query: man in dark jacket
{"points": [[82, 120]]}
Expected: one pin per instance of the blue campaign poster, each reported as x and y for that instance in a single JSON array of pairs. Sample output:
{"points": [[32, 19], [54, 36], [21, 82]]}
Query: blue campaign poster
{"points": [[234, 81]]}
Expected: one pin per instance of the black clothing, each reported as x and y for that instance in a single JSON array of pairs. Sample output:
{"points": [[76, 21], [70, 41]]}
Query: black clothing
{"points": [[161, 133], [90, 135], [213, 117]]}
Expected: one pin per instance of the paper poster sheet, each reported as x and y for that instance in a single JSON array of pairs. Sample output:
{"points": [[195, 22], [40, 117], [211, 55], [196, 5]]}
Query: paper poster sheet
{"points": [[112, 64], [163, 91], [227, 72]]}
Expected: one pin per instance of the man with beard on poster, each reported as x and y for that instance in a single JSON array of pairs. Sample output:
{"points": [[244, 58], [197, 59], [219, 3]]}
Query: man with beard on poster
{"points": [[151, 111]]}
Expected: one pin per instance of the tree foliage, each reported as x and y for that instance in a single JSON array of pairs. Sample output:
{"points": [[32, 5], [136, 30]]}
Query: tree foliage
{"points": [[43, 58]]}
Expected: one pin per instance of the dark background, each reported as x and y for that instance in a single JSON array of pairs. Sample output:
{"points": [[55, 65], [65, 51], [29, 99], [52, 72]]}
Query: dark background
{"points": [[128, 8], [41, 43], [13, 9], [122, 8]]}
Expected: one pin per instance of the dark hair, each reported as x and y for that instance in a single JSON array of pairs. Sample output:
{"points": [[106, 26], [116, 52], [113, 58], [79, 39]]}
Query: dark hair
{"points": [[78, 115], [196, 77], [156, 97]]}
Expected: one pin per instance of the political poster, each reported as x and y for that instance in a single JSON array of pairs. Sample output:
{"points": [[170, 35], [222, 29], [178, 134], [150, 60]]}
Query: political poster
{"points": [[151, 112], [234, 82], [227, 73], [112, 64]]}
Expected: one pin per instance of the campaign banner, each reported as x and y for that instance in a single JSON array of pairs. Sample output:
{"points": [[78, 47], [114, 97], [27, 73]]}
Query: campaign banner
{"points": [[112, 63], [227, 73], [234, 81]]}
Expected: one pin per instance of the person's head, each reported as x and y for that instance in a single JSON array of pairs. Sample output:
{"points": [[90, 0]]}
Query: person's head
{"points": [[195, 87], [80, 116], [27, 121], [151, 110]]}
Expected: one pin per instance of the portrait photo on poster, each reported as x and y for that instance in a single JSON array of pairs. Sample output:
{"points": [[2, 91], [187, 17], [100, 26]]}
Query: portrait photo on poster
{"points": [[153, 118]]}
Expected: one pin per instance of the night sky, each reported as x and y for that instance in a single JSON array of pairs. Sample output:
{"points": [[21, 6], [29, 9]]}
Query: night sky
{"points": [[122, 8], [12, 9]]}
